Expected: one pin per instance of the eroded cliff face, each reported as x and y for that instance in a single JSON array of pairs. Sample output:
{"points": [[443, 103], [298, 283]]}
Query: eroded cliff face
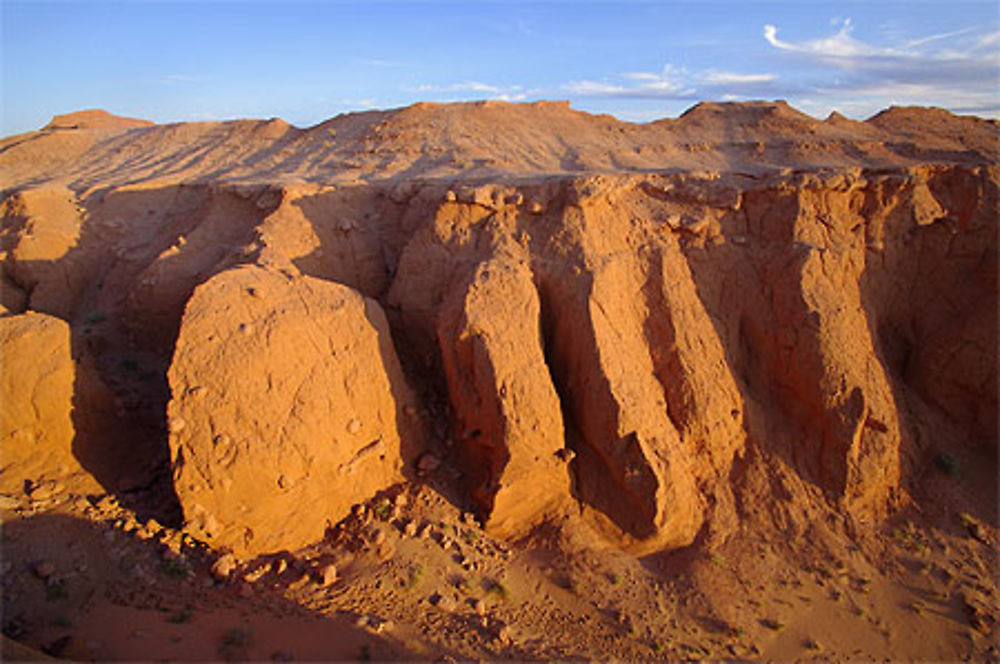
{"points": [[661, 351]]}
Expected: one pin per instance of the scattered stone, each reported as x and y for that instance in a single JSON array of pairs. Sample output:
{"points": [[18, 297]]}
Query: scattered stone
{"points": [[43, 569], [58, 647], [279, 566], [8, 502], [328, 575], [45, 490], [428, 463], [256, 574], [223, 566], [566, 455], [378, 537], [479, 606], [502, 633], [410, 529], [443, 602], [353, 426]]}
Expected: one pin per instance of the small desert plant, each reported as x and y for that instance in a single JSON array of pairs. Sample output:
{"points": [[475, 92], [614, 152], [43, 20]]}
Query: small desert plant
{"points": [[383, 509], [718, 560], [236, 636], [181, 616], [497, 589], [234, 642], [414, 575], [97, 316], [948, 464], [56, 591], [175, 568]]}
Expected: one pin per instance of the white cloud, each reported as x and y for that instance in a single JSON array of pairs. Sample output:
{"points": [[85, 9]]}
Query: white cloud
{"points": [[595, 89], [954, 69], [501, 93], [732, 78], [670, 83], [839, 45]]}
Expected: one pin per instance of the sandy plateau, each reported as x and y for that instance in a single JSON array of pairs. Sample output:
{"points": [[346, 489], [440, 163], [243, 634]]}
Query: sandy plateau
{"points": [[501, 381]]}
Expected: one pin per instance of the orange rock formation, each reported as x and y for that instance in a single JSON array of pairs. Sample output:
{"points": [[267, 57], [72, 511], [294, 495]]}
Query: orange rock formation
{"points": [[661, 324]]}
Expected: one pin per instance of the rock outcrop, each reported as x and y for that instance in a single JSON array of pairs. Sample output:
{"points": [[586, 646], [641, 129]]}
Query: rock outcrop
{"points": [[507, 419], [288, 407], [37, 376], [659, 326]]}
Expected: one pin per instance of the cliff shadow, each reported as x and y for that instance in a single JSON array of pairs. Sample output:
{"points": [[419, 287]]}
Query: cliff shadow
{"points": [[122, 286], [82, 591]]}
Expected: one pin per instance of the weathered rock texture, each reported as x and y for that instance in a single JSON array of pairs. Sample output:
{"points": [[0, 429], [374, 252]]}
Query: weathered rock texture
{"points": [[507, 418], [740, 314], [288, 408], [37, 376]]}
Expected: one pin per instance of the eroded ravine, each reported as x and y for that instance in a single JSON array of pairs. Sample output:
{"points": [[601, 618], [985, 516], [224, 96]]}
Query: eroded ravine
{"points": [[838, 319]]}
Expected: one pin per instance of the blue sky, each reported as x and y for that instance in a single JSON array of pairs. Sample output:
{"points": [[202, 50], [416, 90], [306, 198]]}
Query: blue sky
{"points": [[306, 62]]}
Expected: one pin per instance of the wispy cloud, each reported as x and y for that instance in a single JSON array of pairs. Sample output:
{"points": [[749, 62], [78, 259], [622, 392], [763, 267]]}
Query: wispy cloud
{"points": [[671, 83], [958, 69], [732, 78], [183, 79], [477, 88], [839, 45]]}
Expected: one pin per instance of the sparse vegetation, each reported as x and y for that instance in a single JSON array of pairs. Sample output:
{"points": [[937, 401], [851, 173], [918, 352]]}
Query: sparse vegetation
{"points": [[182, 616], [57, 591], [414, 575], [497, 589], [948, 464], [96, 316], [470, 536], [383, 509], [718, 560], [176, 568], [234, 642]]}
